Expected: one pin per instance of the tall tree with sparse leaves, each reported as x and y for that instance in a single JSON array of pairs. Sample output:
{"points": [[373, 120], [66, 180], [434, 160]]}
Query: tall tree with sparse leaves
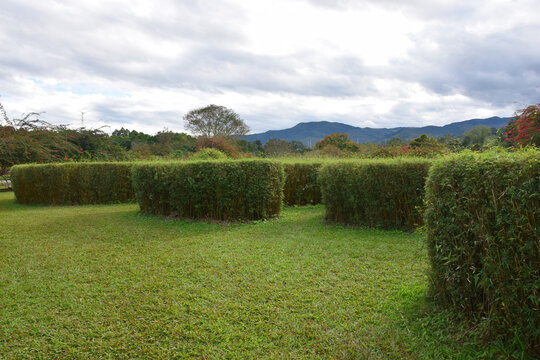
{"points": [[214, 120]]}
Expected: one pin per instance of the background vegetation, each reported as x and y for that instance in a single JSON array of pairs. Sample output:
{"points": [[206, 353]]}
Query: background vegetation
{"points": [[31, 140]]}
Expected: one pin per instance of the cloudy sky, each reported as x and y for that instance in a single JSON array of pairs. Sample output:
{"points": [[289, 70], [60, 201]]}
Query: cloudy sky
{"points": [[143, 64]]}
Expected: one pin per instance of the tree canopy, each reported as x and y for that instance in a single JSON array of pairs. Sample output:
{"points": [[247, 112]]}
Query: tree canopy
{"points": [[478, 135], [214, 120]]}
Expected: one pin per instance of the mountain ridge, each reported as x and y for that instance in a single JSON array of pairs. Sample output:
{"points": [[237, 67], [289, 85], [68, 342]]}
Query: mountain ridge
{"points": [[311, 132]]}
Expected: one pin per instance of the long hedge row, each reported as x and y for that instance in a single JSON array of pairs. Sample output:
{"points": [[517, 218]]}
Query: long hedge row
{"points": [[224, 190], [483, 222], [57, 184], [72, 183], [383, 193]]}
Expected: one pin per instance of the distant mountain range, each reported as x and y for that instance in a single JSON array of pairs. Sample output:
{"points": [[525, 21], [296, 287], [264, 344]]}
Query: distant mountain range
{"points": [[311, 132]]}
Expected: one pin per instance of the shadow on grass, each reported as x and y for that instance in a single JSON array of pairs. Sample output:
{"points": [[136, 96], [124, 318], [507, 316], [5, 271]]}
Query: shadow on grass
{"points": [[439, 333], [8, 203]]}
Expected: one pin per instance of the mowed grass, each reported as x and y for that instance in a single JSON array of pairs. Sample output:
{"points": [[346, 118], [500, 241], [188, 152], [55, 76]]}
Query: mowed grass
{"points": [[105, 282]]}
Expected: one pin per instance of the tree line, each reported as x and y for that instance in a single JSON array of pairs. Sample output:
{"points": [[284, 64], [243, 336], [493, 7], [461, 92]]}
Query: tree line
{"points": [[29, 139]]}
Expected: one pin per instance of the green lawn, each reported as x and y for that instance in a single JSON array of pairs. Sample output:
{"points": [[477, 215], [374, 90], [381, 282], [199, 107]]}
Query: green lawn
{"points": [[105, 282]]}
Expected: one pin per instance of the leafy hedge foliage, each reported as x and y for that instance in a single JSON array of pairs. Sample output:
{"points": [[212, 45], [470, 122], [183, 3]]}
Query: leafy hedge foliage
{"points": [[301, 186], [72, 183], [383, 193], [483, 223], [225, 190]]}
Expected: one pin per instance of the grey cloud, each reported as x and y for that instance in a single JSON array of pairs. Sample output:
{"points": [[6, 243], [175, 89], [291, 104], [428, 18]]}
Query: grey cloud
{"points": [[219, 68], [48, 42], [63, 40], [240, 71], [117, 115], [499, 68], [72, 42]]}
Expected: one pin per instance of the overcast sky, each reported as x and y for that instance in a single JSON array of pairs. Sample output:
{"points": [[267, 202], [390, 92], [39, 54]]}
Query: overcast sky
{"points": [[143, 64]]}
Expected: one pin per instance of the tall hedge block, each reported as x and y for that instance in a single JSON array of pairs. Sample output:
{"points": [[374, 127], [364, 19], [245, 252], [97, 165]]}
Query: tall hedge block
{"points": [[72, 183], [220, 190], [384, 193], [301, 186], [482, 218]]}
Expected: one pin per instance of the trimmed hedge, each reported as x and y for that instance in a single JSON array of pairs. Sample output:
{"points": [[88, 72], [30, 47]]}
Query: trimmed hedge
{"points": [[482, 218], [382, 193], [224, 190], [72, 183], [301, 186]]}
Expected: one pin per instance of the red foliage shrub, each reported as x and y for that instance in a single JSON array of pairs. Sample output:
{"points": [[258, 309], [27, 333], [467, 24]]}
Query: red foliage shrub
{"points": [[524, 129]]}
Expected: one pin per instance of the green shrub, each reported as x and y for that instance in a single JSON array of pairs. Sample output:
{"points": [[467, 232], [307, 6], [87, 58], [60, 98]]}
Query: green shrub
{"points": [[483, 224], [208, 154], [301, 186], [72, 183], [225, 190], [381, 193]]}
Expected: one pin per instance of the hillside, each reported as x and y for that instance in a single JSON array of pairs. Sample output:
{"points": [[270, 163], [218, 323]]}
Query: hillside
{"points": [[311, 132]]}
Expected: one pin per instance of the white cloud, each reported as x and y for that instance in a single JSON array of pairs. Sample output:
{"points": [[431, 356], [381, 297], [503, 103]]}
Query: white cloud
{"points": [[282, 27]]}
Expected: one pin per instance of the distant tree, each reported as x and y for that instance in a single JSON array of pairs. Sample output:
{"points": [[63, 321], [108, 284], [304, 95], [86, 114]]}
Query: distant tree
{"points": [[478, 136], [451, 142], [93, 144], [524, 128], [277, 147], [141, 150], [423, 141], [213, 120], [121, 132], [395, 141], [259, 145], [167, 142], [299, 147], [254, 148], [164, 143], [141, 138], [425, 146], [341, 141], [127, 139], [121, 138]]}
